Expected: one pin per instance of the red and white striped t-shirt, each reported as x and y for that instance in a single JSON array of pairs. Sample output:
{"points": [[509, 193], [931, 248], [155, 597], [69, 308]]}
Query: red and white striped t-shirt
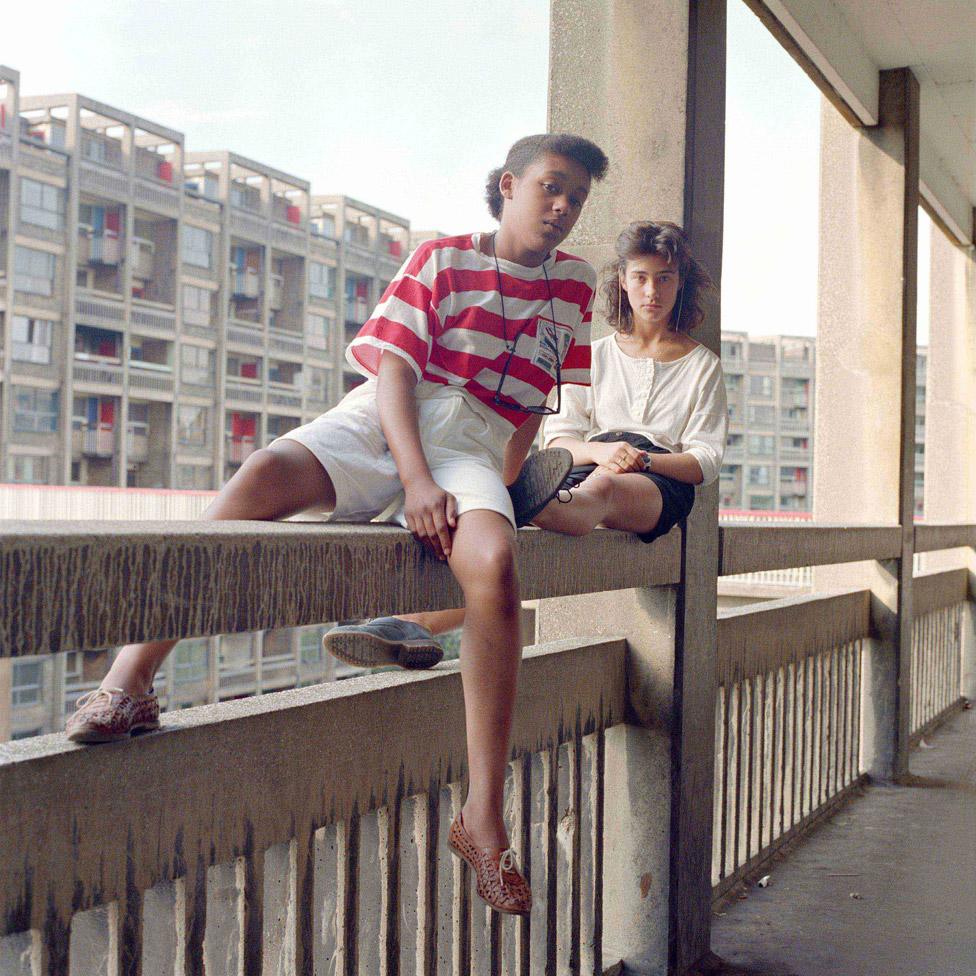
{"points": [[442, 313]]}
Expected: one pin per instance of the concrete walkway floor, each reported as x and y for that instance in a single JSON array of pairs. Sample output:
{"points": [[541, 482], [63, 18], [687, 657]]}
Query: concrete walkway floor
{"points": [[886, 887]]}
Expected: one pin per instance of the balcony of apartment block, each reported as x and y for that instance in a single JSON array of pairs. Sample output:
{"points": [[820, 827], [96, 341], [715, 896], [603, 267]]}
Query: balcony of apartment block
{"points": [[244, 378], [100, 260], [284, 384], [249, 211], [286, 304], [157, 166], [148, 443], [97, 364], [241, 436], [151, 367], [153, 265], [795, 419], [41, 142], [289, 216], [393, 244]]}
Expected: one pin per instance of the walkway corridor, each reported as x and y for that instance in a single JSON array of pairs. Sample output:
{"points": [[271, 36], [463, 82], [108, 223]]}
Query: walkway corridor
{"points": [[887, 887]]}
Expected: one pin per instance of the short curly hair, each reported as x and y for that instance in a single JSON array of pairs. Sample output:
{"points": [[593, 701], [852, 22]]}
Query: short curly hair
{"points": [[656, 237], [529, 148]]}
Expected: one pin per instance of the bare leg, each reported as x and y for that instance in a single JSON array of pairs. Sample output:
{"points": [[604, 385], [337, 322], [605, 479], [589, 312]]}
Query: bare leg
{"points": [[617, 501], [483, 560], [436, 621], [272, 483]]}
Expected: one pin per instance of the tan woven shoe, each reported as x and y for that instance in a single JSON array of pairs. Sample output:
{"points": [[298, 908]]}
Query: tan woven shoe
{"points": [[497, 876], [110, 714]]}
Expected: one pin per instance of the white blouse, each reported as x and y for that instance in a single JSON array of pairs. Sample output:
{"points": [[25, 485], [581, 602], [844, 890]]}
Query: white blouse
{"points": [[679, 406]]}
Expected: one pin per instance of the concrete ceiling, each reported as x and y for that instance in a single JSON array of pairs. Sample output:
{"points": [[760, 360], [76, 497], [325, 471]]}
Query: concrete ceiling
{"points": [[849, 41]]}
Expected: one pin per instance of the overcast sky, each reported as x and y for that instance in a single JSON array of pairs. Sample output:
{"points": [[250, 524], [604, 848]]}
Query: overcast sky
{"points": [[407, 105]]}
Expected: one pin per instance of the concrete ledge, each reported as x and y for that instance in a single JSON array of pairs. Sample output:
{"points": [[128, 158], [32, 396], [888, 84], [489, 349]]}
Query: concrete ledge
{"points": [[930, 537], [750, 548], [935, 591], [756, 639], [80, 825], [89, 585]]}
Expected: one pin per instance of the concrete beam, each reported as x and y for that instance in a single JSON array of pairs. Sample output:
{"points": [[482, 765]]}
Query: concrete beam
{"points": [[89, 585]]}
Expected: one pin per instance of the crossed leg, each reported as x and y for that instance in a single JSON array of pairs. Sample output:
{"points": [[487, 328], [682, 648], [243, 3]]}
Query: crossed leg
{"points": [[273, 483], [629, 502]]}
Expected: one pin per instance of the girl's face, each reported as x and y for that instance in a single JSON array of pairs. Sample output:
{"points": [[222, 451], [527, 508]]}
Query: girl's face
{"points": [[543, 204], [652, 285]]}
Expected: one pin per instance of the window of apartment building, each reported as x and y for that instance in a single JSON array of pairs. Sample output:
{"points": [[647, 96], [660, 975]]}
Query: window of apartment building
{"points": [[197, 364], [35, 411], [245, 196], [310, 646], [323, 226], [794, 443], [762, 352], [41, 204], [197, 307], [735, 412], [34, 271], [796, 352], [733, 383], [357, 234], [193, 425], [190, 661], [761, 443], [236, 654], [763, 415], [194, 477], [284, 372], [321, 280], [729, 471], [31, 340], [761, 503], [244, 367], [318, 331], [197, 246], [27, 680], [317, 384], [278, 425], [29, 469], [731, 350], [760, 474], [761, 386]]}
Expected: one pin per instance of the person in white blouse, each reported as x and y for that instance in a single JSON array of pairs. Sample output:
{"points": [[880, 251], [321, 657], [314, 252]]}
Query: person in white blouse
{"points": [[654, 421], [650, 427]]}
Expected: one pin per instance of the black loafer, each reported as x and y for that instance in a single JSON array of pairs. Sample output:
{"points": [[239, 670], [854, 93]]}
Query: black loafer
{"points": [[539, 482]]}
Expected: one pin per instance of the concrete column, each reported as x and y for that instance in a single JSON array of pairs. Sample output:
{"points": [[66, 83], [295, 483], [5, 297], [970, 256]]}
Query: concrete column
{"points": [[638, 780], [950, 410], [608, 57], [865, 409], [6, 693]]}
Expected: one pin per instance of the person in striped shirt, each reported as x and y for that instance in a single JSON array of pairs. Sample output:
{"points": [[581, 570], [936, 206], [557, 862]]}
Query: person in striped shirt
{"points": [[459, 357]]}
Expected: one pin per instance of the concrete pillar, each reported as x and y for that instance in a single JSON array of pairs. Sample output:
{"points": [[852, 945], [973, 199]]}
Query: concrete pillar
{"points": [[6, 694], [865, 411], [647, 83], [950, 410]]}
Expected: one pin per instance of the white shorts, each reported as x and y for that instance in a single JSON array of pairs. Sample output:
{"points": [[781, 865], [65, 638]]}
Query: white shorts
{"points": [[463, 440]]}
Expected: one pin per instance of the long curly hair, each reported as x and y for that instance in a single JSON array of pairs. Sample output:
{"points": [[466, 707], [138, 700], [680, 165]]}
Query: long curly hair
{"points": [[643, 238]]}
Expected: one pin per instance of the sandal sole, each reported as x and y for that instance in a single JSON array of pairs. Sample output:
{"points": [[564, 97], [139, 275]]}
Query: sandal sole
{"points": [[368, 651], [95, 736]]}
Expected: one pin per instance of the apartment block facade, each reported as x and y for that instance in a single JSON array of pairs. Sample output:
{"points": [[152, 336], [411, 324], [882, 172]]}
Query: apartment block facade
{"points": [[770, 383], [165, 313]]}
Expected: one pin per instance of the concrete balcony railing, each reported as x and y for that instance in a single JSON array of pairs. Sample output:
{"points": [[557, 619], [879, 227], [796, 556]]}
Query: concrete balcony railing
{"points": [[304, 830]]}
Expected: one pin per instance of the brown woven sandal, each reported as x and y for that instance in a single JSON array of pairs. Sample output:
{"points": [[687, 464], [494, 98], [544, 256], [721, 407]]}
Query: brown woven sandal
{"points": [[499, 882]]}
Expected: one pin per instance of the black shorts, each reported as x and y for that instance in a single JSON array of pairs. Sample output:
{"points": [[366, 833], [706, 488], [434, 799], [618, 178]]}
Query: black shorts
{"points": [[678, 496]]}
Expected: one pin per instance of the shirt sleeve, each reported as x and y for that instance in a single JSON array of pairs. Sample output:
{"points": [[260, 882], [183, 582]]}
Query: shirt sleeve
{"points": [[707, 428], [575, 368], [405, 320], [574, 418]]}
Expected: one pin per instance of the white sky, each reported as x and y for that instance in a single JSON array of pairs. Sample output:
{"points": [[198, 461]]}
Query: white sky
{"points": [[407, 105]]}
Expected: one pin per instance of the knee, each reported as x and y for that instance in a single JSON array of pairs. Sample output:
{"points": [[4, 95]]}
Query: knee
{"points": [[260, 482], [603, 488], [493, 574]]}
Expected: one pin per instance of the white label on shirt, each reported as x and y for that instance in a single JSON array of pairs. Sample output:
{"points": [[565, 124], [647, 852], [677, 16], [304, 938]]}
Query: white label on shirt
{"points": [[552, 341]]}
